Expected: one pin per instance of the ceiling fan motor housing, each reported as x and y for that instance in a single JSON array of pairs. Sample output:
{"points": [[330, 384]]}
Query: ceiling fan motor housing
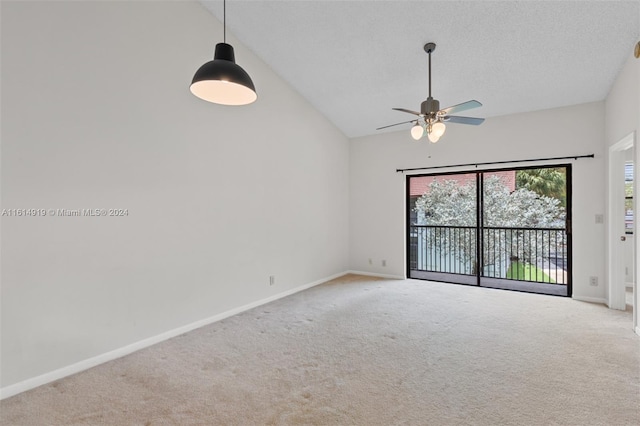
{"points": [[430, 107]]}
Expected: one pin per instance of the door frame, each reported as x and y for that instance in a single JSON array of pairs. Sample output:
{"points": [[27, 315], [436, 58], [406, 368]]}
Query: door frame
{"points": [[615, 258]]}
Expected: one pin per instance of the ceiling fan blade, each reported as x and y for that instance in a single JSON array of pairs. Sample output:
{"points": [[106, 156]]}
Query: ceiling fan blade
{"points": [[407, 110], [460, 107], [397, 124], [462, 120]]}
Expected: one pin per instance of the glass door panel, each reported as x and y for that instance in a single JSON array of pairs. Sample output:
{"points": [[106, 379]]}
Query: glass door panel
{"points": [[524, 235], [442, 226]]}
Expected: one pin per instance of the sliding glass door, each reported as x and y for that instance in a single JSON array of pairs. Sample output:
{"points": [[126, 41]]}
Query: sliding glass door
{"points": [[505, 229]]}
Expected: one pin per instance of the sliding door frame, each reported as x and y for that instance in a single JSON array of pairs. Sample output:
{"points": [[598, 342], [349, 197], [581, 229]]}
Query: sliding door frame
{"points": [[480, 220]]}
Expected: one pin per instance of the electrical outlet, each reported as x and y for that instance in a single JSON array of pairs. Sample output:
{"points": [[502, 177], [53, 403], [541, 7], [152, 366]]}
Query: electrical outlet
{"points": [[599, 218], [593, 281], [370, 261], [272, 279], [384, 262]]}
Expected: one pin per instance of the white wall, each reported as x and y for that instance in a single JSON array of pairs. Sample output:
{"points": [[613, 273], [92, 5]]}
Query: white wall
{"points": [[622, 106], [96, 113], [377, 199], [622, 117]]}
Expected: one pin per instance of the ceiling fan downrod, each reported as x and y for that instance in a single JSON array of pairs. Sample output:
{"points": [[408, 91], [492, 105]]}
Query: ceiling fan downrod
{"points": [[431, 106], [429, 48]]}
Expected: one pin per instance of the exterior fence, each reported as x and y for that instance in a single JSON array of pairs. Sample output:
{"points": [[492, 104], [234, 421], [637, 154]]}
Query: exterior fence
{"points": [[522, 254]]}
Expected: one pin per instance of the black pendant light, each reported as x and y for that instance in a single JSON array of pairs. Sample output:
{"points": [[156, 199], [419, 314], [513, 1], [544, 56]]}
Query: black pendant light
{"points": [[222, 81]]}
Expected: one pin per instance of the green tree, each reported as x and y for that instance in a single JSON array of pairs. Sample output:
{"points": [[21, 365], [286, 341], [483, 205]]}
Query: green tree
{"points": [[549, 182]]}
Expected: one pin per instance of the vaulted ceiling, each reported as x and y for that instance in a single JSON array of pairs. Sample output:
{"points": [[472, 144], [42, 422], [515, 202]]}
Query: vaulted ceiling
{"points": [[355, 60]]}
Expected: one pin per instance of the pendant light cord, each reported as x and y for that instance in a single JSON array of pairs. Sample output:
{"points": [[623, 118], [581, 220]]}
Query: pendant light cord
{"points": [[224, 22]]}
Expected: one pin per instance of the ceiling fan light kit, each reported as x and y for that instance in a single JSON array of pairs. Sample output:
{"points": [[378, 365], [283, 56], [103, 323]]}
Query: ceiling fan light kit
{"points": [[436, 131], [222, 81], [431, 119], [417, 131]]}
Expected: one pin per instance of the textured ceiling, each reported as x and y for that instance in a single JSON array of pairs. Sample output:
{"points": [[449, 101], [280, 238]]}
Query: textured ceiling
{"points": [[355, 60]]}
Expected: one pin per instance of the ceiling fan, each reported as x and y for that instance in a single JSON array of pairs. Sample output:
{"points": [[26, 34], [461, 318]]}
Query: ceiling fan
{"points": [[431, 118]]}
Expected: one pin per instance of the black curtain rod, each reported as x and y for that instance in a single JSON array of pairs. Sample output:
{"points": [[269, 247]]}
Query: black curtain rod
{"points": [[573, 157]]}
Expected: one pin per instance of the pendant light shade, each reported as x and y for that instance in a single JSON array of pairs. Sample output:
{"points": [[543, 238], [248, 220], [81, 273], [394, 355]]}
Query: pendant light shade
{"points": [[222, 81]]}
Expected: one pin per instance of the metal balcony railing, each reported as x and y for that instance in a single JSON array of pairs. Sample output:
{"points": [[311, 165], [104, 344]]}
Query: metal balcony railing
{"points": [[522, 254]]}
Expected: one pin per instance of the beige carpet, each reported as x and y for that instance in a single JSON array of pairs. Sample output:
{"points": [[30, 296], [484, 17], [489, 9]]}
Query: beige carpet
{"points": [[361, 351]]}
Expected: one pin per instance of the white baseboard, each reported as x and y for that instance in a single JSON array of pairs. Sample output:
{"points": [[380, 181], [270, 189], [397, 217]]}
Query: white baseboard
{"points": [[590, 299], [374, 274], [60, 373], [638, 331]]}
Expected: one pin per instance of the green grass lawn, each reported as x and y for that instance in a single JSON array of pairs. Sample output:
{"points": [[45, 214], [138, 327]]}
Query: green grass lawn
{"points": [[527, 272]]}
